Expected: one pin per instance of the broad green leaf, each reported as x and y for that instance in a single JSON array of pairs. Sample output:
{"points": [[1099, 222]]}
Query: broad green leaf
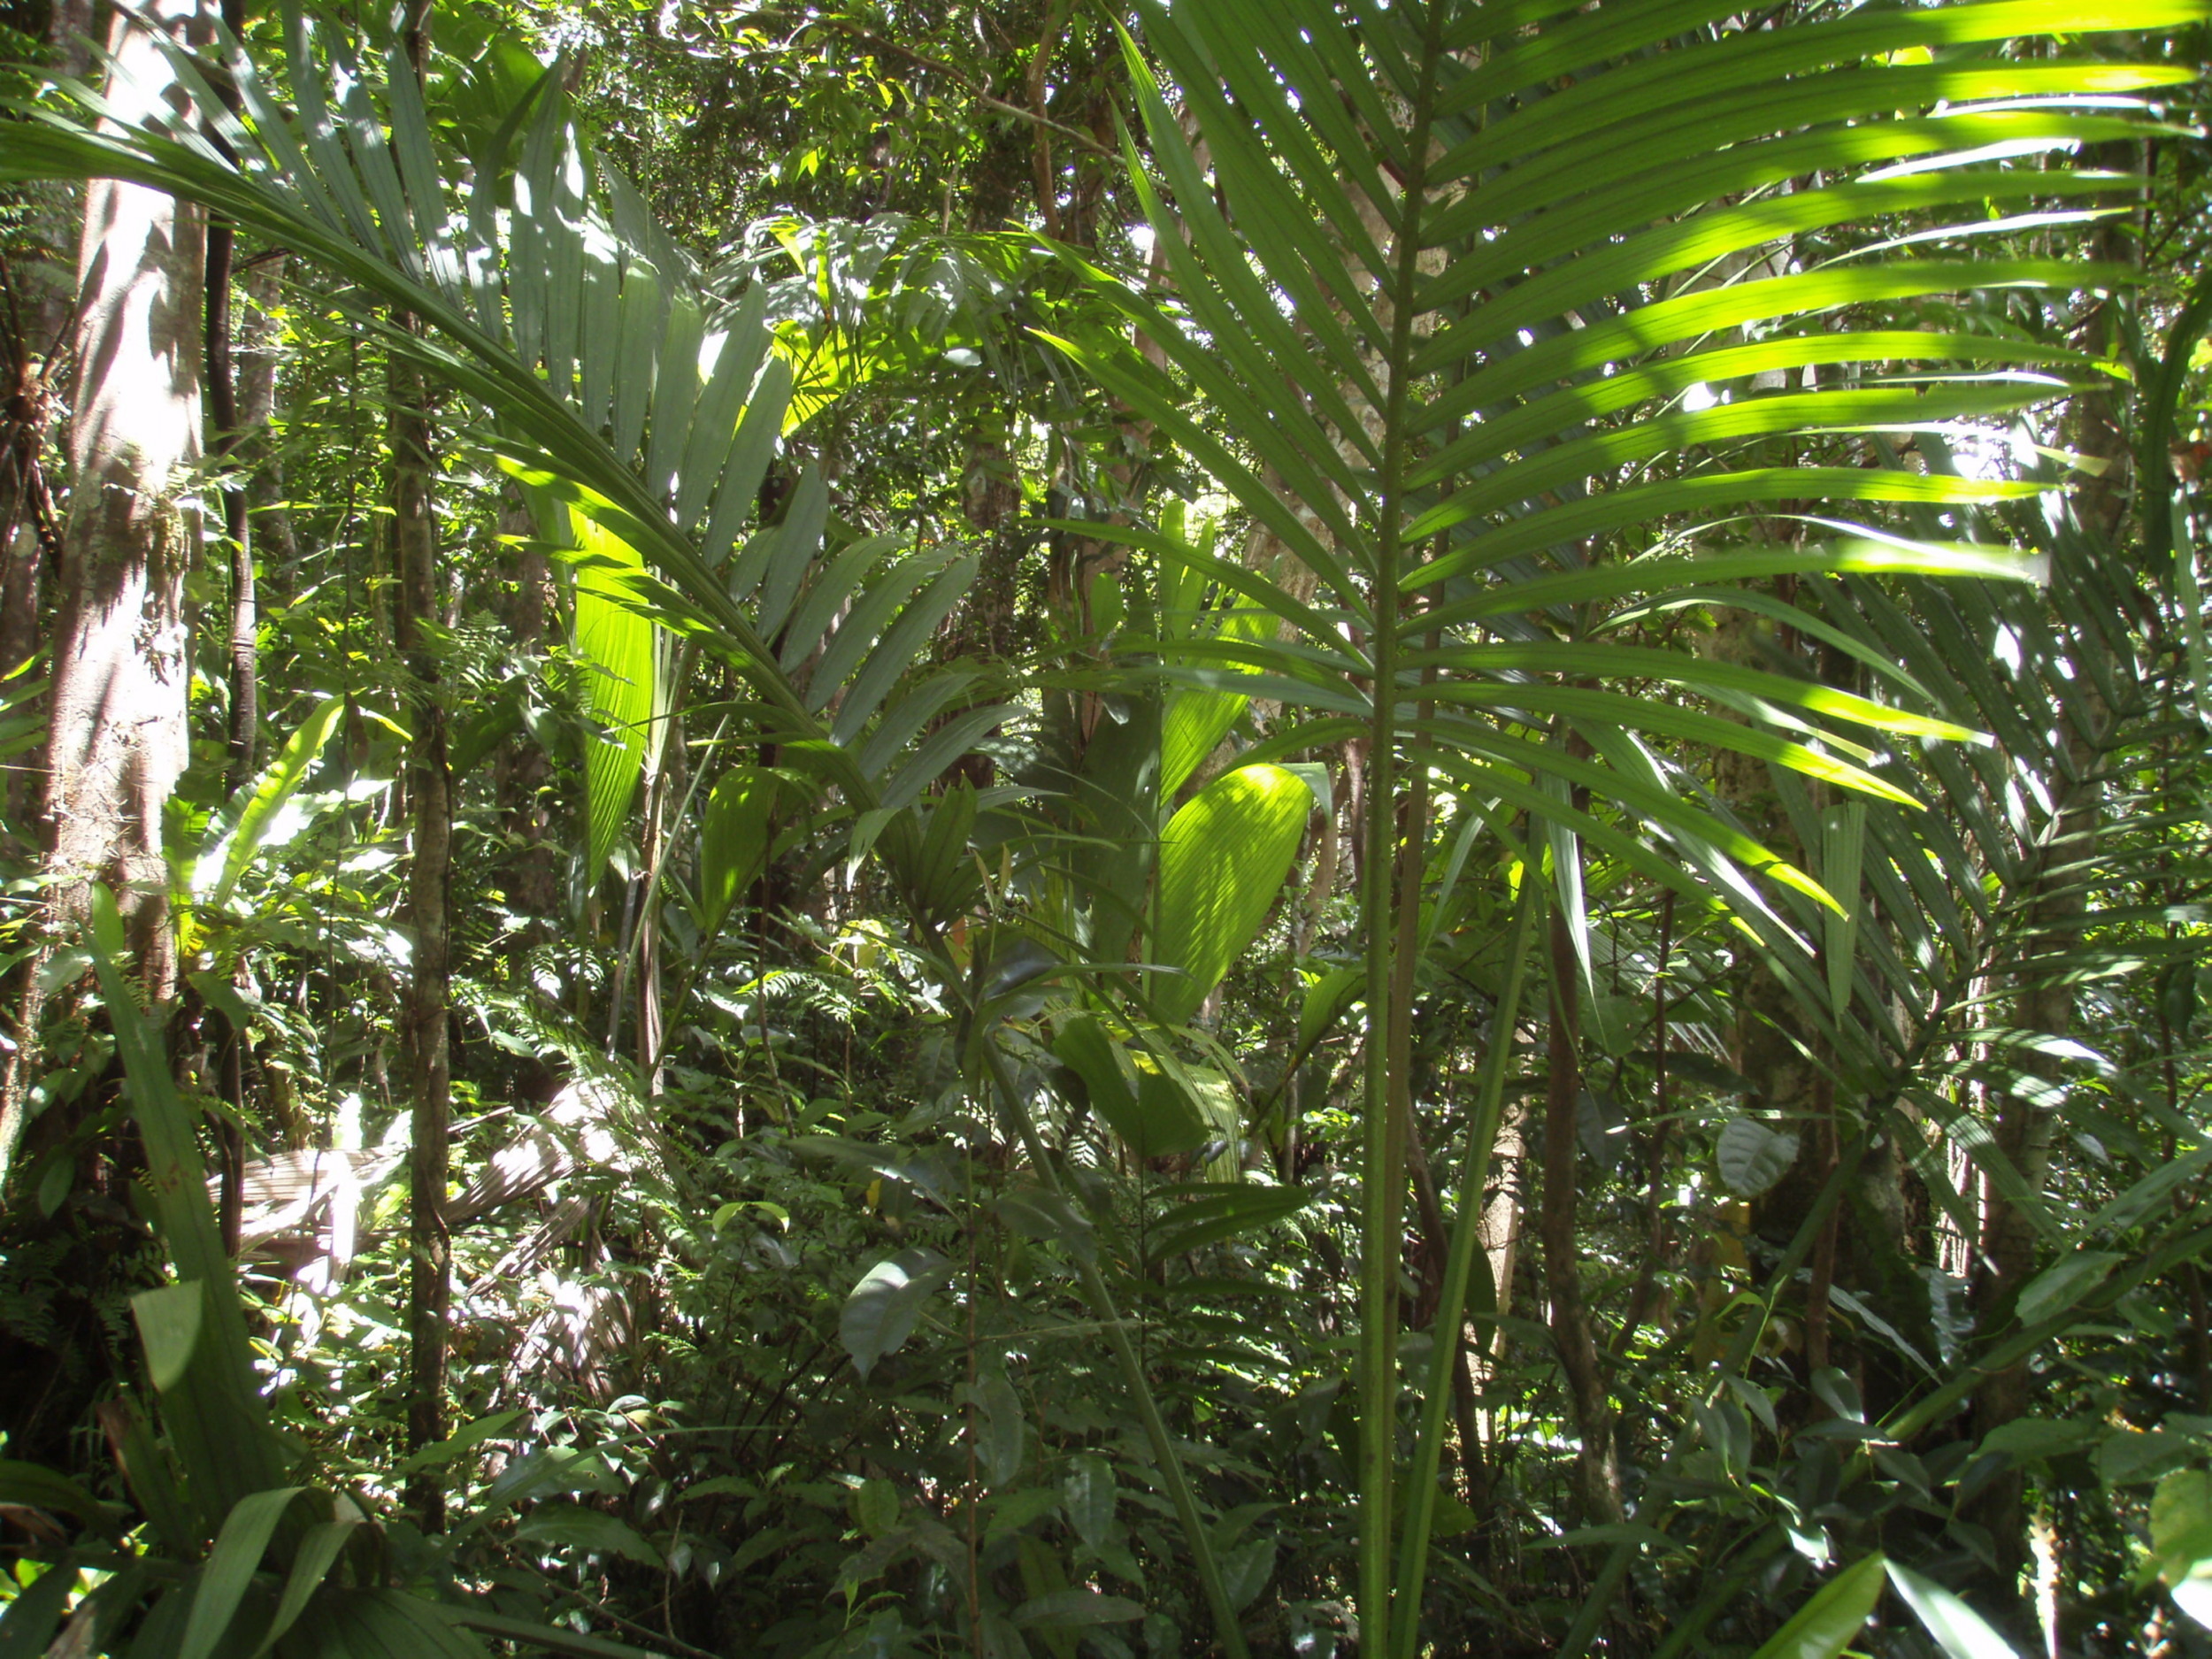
{"points": [[2145, 1197], [1961, 1632], [868, 692], [1191, 729], [1149, 1107], [712, 427], [1170, 1117], [462, 1439], [2182, 1523], [1001, 1425], [1325, 1000], [1195, 721], [1223, 860], [621, 686], [230, 1567], [151, 1477], [1834, 1389], [1246, 1570], [1451, 1517], [319, 1551], [836, 590], [1117, 792], [1039, 1213], [1010, 1512], [1824, 1626], [887, 1304], [380, 1622], [1082, 1044], [571, 1526], [28, 1623], [250, 821], [2064, 1283], [533, 1637], [1075, 1610], [735, 832], [1752, 1157], [549, 1471], [1088, 1497], [35, 1486], [876, 1503], [1206, 1215], [169, 1320], [2181, 1540], [2029, 1439], [211, 1403]]}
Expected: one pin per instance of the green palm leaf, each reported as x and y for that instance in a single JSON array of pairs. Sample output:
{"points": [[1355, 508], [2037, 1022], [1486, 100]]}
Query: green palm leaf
{"points": [[1223, 859], [1446, 271], [629, 398]]}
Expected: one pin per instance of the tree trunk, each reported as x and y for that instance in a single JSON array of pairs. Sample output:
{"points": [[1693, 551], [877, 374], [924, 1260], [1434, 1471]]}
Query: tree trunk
{"points": [[228, 435], [1597, 1465], [429, 902], [267, 512], [424, 1035], [118, 737], [39, 299]]}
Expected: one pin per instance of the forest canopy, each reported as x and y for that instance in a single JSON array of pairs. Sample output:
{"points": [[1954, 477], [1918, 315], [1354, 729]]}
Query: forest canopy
{"points": [[1037, 828]]}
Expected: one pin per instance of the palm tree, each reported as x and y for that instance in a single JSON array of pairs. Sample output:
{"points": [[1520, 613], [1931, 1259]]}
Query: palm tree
{"points": [[1491, 297]]}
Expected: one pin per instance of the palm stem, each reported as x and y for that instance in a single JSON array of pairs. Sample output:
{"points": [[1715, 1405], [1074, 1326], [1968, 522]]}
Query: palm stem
{"points": [[1450, 1323], [1386, 1063]]}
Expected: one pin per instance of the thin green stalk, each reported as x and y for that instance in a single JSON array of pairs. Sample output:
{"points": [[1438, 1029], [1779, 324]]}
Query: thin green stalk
{"points": [[1449, 1325], [2159, 406], [1381, 1173], [1156, 1430], [698, 957]]}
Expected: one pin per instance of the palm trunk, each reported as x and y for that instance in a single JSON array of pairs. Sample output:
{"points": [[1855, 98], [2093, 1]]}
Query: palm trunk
{"points": [[1597, 1465], [267, 510], [429, 787], [429, 903], [227, 435], [520, 775]]}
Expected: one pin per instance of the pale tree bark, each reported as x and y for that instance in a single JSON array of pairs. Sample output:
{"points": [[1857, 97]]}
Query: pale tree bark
{"points": [[118, 738]]}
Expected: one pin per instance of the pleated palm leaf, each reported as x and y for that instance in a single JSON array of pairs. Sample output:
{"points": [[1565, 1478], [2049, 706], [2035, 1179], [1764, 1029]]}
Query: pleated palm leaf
{"points": [[640, 416], [1938, 996], [640, 413], [1445, 271], [1972, 922]]}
